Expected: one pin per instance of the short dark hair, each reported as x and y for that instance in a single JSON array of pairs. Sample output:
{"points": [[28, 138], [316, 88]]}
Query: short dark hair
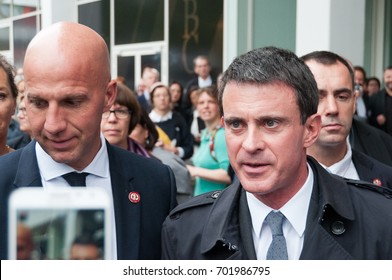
{"points": [[360, 69], [181, 89], [148, 124], [377, 80], [270, 65], [212, 91], [330, 58], [85, 240], [127, 98], [10, 72]]}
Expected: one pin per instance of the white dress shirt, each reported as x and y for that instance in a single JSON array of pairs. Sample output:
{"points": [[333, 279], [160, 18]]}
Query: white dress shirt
{"points": [[295, 211], [361, 108], [344, 167], [204, 83], [51, 172]]}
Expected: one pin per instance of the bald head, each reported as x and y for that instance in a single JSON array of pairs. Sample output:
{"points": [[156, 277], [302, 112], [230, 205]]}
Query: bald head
{"points": [[68, 87], [70, 45]]}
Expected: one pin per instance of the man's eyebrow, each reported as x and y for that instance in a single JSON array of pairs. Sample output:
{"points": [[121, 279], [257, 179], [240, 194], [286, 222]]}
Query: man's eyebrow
{"points": [[336, 91], [231, 119], [3, 88], [342, 90]]}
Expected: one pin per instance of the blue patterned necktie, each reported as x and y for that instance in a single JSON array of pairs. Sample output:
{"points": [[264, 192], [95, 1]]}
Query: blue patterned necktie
{"points": [[278, 248], [76, 179]]}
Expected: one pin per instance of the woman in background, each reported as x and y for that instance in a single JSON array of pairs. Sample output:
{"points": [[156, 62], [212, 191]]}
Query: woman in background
{"points": [[8, 95], [211, 161], [121, 119], [171, 122], [146, 134]]}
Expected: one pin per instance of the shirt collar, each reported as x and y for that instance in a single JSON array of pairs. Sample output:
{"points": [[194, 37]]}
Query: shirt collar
{"points": [[341, 167], [155, 117], [295, 210], [51, 169], [204, 82]]}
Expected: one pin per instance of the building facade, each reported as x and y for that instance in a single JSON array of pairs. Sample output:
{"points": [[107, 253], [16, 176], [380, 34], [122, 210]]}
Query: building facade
{"points": [[168, 34]]}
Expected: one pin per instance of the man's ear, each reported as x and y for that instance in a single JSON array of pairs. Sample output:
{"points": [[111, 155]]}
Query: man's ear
{"points": [[355, 96], [312, 130], [111, 94]]}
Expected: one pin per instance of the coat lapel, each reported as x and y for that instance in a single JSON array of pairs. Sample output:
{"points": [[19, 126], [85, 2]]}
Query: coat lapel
{"points": [[246, 227], [327, 210]]}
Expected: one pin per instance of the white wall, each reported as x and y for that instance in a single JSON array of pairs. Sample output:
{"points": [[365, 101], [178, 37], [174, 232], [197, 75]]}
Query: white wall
{"points": [[348, 29], [334, 25], [58, 10]]}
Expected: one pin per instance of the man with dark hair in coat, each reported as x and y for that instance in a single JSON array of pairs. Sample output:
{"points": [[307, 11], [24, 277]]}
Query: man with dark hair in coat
{"points": [[284, 205]]}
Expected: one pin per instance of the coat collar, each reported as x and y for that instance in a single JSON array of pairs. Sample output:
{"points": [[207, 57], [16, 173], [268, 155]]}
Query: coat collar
{"points": [[218, 222], [328, 192], [332, 191]]}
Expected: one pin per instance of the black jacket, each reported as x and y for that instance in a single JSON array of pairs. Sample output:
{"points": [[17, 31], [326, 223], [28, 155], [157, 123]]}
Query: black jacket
{"points": [[371, 141], [346, 220], [377, 106], [177, 128], [371, 170]]}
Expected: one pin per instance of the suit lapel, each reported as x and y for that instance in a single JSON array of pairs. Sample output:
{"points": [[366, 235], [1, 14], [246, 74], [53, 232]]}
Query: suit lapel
{"points": [[127, 214], [28, 172]]}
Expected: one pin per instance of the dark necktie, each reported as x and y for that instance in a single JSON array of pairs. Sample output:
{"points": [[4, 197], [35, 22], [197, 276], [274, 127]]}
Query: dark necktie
{"points": [[278, 248], [76, 179]]}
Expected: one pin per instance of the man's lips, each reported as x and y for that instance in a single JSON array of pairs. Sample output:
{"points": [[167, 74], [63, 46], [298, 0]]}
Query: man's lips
{"points": [[254, 167], [332, 126], [61, 144]]}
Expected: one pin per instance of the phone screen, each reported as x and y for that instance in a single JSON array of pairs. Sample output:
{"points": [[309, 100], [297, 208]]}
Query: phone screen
{"points": [[58, 225]]}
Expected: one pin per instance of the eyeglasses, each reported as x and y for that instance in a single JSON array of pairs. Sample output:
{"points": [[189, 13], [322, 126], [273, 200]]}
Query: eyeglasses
{"points": [[119, 114]]}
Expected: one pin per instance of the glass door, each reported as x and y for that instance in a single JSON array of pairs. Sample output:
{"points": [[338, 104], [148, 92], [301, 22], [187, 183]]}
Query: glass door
{"points": [[129, 62]]}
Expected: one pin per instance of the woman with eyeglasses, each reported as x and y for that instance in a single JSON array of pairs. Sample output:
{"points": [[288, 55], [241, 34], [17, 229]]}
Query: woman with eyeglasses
{"points": [[118, 122]]}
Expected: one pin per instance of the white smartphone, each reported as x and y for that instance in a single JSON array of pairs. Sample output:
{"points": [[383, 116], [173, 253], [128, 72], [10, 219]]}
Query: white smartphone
{"points": [[59, 223]]}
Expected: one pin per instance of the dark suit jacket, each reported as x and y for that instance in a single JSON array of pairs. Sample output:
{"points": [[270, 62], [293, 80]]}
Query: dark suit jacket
{"points": [[371, 170], [138, 225], [371, 141], [194, 82], [377, 107], [144, 103], [346, 220]]}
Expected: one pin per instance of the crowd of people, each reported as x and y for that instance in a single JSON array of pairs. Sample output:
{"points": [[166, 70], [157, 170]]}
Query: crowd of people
{"points": [[216, 163]]}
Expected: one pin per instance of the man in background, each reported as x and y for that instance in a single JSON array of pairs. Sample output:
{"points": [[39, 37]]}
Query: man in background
{"points": [[337, 103], [149, 77], [380, 104], [84, 248]]}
